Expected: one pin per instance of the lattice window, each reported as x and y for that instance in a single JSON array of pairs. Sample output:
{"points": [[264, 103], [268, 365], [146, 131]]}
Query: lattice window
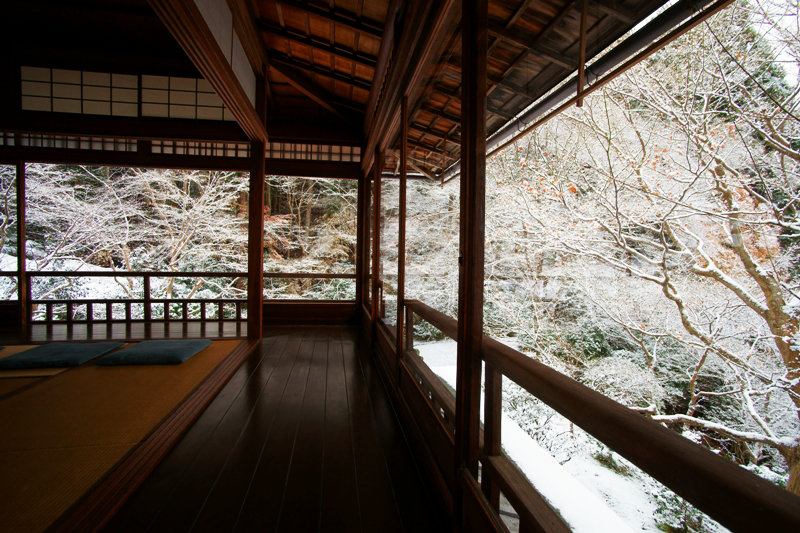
{"points": [[174, 97], [313, 152], [200, 148], [82, 92], [103, 93], [70, 142]]}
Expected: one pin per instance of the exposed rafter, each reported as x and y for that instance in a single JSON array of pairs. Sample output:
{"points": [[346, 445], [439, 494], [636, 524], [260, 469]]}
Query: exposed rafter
{"points": [[338, 17], [440, 113], [422, 171], [329, 48], [617, 11], [429, 28], [302, 83], [421, 145], [544, 32], [277, 57], [436, 134], [533, 45], [381, 67]]}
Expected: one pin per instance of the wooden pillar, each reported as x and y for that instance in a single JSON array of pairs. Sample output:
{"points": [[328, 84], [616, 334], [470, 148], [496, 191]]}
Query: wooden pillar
{"points": [[255, 232], [401, 232], [376, 235], [471, 240], [492, 417], [23, 291], [255, 243], [365, 246], [360, 224]]}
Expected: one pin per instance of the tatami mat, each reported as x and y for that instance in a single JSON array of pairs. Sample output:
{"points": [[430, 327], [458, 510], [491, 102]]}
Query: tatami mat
{"points": [[59, 437], [10, 384]]}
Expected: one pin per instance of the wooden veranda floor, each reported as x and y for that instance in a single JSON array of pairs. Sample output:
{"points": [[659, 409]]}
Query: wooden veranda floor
{"points": [[302, 438]]}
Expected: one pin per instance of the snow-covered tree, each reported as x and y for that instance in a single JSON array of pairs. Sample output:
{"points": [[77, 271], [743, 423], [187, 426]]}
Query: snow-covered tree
{"points": [[683, 178], [135, 219]]}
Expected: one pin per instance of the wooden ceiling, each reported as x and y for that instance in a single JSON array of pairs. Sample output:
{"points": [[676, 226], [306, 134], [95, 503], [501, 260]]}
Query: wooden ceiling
{"points": [[335, 69], [325, 59]]}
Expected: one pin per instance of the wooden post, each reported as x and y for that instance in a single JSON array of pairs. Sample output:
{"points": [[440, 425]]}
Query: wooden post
{"points": [[471, 239], [360, 224], [401, 232], [365, 245], [255, 246], [376, 237], [255, 232], [492, 416], [23, 288], [409, 326], [148, 311]]}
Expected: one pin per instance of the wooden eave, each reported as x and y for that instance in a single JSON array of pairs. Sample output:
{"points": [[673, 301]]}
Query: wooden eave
{"points": [[532, 47], [335, 72]]}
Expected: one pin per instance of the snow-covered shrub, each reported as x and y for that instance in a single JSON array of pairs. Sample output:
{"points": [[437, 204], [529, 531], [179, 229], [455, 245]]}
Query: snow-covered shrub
{"points": [[676, 515], [624, 381], [589, 339], [612, 461]]}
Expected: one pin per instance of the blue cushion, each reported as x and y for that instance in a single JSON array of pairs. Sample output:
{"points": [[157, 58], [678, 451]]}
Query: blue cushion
{"points": [[163, 352], [58, 354]]}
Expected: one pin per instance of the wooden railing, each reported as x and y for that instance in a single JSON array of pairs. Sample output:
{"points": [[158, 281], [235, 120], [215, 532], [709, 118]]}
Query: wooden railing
{"points": [[146, 308], [729, 494]]}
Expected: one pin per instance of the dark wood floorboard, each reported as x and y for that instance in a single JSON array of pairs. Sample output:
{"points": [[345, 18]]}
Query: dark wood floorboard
{"points": [[188, 499], [300, 509], [302, 438], [225, 497], [262, 504], [340, 498], [186, 461]]}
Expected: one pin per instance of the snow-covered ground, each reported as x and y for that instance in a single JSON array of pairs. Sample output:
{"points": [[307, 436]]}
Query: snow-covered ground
{"points": [[590, 496]]}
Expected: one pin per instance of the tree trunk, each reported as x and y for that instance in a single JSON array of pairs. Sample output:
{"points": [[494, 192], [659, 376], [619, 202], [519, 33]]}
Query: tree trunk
{"points": [[792, 456]]}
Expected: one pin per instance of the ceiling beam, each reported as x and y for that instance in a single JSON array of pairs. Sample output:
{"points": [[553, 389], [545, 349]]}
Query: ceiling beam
{"points": [[381, 68], [427, 30], [554, 22], [283, 59], [617, 11], [186, 23], [435, 134], [338, 17], [441, 113], [306, 40], [300, 81], [545, 52]]}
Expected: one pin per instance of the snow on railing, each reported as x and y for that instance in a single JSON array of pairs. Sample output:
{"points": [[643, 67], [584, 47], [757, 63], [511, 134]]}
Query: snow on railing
{"points": [[731, 495]]}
